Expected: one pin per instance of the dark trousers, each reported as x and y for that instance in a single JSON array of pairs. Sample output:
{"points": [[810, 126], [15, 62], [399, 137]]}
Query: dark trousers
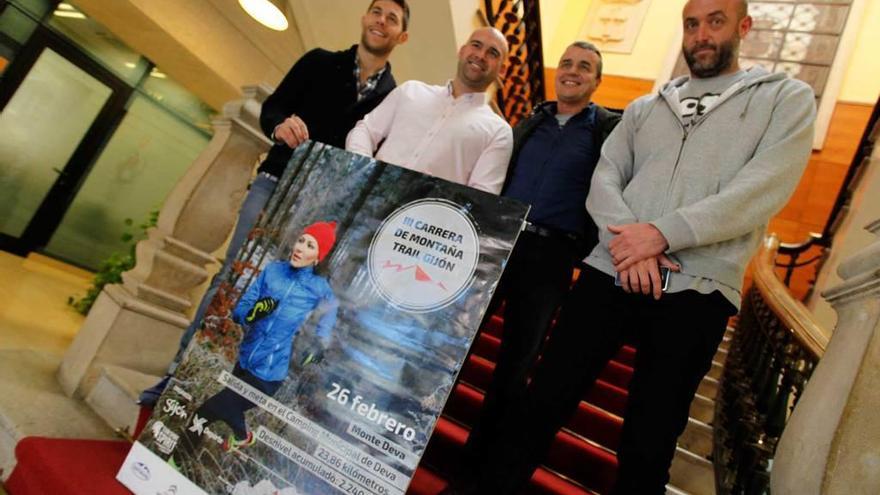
{"points": [[676, 338], [535, 281], [229, 407]]}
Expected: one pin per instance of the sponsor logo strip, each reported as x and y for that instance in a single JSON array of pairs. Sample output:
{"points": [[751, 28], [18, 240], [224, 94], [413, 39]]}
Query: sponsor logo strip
{"points": [[145, 472]]}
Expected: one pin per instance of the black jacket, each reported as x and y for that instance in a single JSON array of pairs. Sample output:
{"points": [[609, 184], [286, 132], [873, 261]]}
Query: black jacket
{"points": [[321, 90], [606, 120]]}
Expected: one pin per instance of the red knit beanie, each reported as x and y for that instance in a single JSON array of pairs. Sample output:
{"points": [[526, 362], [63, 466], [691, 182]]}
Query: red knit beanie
{"points": [[325, 234]]}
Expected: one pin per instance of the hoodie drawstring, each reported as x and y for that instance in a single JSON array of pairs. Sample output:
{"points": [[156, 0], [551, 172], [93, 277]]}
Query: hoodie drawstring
{"points": [[752, 90]]}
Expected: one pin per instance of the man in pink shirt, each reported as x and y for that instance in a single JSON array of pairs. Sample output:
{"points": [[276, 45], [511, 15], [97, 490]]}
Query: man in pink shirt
{"points": [[445, 131]]}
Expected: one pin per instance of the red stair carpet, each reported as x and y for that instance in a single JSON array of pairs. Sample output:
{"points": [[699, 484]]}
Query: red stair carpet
{"points": [[61, 466], [581, 460]]}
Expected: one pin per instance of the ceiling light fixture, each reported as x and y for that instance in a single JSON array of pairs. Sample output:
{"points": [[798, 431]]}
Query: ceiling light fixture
{"points": [[69, 15], [67, 10], [269, 13]]}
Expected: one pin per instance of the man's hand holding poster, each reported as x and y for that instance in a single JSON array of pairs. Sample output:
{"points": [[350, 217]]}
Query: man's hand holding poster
{"points": [[328, 354]]}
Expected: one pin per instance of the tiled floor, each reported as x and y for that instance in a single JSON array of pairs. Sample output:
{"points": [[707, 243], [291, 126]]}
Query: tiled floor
{"points": [[36, 327], [33, 303]]}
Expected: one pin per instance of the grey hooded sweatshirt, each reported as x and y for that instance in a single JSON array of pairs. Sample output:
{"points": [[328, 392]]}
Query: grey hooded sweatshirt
{"points": [[710, 188]]}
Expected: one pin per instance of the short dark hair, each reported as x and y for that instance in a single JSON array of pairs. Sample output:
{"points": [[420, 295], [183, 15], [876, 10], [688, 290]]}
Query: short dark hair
{"points": [[586, 45], [403, 5]]}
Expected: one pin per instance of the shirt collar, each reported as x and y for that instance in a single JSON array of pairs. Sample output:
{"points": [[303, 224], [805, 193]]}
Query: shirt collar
{"points": [[589, 112], [473, 98], [370, 84]]}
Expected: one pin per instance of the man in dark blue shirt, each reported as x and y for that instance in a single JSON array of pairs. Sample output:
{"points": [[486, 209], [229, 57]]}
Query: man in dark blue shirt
{"points": [[554, 153]]}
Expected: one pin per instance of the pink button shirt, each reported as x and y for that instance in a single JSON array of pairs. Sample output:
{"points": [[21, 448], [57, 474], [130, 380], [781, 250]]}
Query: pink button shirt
{"points": [[427, 130]]}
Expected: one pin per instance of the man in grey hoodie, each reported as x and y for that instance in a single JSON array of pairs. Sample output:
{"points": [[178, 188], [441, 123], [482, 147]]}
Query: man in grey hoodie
{"points": [[687, 181]]}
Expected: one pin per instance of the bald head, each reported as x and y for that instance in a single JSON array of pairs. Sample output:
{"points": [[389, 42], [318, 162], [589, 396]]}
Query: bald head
{"points": [[741, 7], [480, 59], [493, 33]]}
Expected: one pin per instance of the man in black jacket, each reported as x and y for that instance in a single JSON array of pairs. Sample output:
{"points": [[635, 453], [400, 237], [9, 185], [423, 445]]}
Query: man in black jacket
{"points": [[554, 153], [321, 98], [326, 93]]}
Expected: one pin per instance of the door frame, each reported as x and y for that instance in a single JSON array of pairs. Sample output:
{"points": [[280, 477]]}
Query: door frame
{"points": [[49, 214]]}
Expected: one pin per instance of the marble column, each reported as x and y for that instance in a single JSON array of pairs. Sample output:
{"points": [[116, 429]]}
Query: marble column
{"points": [[137, 324], [831, 444]]}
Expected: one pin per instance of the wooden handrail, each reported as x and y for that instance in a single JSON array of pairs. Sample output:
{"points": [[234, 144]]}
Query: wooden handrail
{"points": [[774, 350], [796, 317]]}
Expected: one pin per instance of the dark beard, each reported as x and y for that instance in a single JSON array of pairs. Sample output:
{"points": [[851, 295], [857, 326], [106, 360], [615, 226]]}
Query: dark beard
{"points": [[379, 52], [722, 61]]}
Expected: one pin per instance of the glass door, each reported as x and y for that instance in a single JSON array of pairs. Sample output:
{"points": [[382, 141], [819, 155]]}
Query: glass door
{"points": [[56, 109], [143, 160]]}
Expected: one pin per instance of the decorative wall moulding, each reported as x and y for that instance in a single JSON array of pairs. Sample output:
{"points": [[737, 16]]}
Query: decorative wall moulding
{"points": [[614, 25]]}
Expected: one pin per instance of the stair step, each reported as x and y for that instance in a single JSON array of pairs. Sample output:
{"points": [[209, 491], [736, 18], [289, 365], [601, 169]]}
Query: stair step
{"points": [[494, 326], [114, 396], [488, 341], [697, 438], [692, 473], [598, 425], [426, 482], [583, 450], [477, 372], [673, 490], [588, 421], [617, 374], [708, 387], [546, 482], [583, 461], [716, 369], [574, 458], [720, 356], [448, 440], [702, 409]]}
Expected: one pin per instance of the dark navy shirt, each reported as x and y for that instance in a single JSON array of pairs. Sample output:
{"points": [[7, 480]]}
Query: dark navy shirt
{"points": [[553, 171]]}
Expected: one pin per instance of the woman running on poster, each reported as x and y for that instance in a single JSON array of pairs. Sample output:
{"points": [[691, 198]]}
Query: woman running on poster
{"points": [[272, 311]]}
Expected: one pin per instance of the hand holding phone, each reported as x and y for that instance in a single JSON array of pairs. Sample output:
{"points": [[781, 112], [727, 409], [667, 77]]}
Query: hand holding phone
{"points": [[664, 278]]}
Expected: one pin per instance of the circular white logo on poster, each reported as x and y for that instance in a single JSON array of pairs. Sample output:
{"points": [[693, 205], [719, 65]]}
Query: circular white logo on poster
{"points": [[424, 255]]}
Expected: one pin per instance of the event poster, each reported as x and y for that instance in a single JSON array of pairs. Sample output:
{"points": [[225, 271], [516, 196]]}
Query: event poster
{"points": [[335, 338]]}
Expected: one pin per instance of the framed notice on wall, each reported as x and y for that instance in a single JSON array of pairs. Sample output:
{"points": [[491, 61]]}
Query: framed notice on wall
{"points": [[614, 25], [328, 353]]}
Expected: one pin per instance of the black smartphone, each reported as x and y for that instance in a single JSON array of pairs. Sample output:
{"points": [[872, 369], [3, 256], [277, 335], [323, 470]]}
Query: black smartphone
{"points": [[664, 278]]}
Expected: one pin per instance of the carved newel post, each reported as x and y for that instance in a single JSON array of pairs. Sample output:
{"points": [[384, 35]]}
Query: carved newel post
{"points": [[136, 325], [831, 444]]}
